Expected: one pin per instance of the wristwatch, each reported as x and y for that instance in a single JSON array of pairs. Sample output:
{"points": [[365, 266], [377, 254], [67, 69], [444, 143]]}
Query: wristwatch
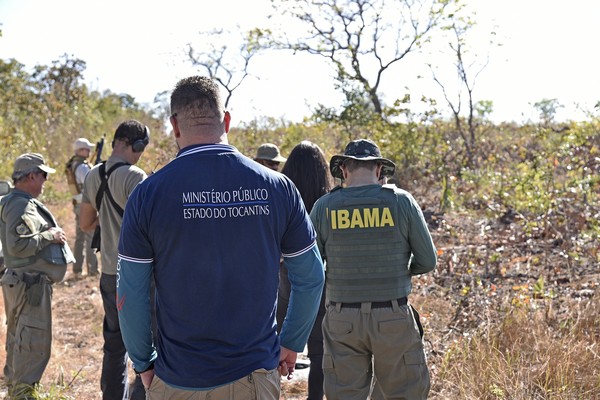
{"points": [[147, 369]]}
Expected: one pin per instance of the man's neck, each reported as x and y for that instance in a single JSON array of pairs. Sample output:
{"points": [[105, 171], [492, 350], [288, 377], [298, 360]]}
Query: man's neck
{"points": [[24, 187], [361, 178], [202, 139]]}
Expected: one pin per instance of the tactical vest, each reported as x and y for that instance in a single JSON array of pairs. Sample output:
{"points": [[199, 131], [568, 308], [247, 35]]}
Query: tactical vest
{"points": [[367, 248], [72, 165], [52, 254]]}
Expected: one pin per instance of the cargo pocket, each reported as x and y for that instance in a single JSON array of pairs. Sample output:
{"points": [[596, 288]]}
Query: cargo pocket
{"points": [[266, 384], [32, 335], [393, 326], [414, 357], [157, 387], [330, 381], [416, 372], [9, 279], [243, 388], [339, 327]]}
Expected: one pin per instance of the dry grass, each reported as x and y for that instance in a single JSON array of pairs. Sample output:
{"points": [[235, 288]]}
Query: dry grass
{"points": [[490, 333], [526, 354]]}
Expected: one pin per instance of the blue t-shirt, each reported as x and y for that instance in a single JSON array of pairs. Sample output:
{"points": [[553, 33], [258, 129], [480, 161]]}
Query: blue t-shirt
{"points": [[213, 224]]}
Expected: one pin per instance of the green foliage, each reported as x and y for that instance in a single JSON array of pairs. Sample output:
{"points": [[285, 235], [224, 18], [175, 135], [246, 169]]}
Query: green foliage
{"points": [[45, 110], [547, 109]]}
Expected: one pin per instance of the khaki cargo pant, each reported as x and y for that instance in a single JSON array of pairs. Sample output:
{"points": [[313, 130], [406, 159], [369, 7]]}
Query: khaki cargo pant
{"points": [[28, 331], [259, 385], [383, 343]]}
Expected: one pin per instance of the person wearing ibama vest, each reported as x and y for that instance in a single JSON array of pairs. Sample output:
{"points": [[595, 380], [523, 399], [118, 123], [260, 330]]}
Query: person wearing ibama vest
{"points": [[373, 238]]}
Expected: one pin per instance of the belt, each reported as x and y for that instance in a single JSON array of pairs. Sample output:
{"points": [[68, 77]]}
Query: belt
{"points": [[402, 301]]}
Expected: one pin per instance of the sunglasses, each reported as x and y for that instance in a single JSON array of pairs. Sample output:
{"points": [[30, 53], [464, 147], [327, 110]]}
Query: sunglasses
{"points": [[272, 163], [43, 173]]}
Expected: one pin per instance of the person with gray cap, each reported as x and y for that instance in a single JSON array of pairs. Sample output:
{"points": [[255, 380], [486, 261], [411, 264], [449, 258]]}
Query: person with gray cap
{"points": [[36, 255], [76, 169], [374, 238], [268, 155]]}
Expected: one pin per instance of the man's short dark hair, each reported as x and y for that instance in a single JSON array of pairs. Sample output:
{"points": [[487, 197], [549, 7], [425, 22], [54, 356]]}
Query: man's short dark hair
{"points": [[130, 131], [352, 164], [197, 96]]}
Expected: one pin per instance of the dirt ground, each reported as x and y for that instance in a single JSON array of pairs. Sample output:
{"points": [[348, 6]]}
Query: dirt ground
{"points": [[485, 265], [76, 358]]}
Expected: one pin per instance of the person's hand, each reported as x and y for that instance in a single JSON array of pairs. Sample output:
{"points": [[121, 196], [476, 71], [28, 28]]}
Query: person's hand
{"points": [[58, 235], [287, 362], [147, 377]]}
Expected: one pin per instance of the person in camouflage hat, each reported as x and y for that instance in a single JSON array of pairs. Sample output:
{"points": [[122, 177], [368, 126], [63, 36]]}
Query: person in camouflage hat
{"points": [[374, 238], [364, 150]]}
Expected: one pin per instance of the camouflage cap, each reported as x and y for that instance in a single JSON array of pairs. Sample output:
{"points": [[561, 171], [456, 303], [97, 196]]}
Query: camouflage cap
{"points": [[28, 161], [362, 150]]}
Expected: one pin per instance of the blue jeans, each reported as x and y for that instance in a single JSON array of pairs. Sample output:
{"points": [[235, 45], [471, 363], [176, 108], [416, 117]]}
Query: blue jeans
{"points": [[114, 382]]}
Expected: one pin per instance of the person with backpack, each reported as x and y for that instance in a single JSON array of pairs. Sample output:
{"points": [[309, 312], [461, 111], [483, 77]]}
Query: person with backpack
{"points": [[76, 169], [105, 191]]}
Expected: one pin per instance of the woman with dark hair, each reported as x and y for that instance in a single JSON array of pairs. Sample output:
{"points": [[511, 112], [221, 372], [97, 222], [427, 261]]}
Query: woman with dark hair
{"points": [[307, 167]]}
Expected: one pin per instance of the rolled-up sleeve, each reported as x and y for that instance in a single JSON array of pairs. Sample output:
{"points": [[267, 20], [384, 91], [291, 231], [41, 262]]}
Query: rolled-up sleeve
{"points": [[305, 272]]}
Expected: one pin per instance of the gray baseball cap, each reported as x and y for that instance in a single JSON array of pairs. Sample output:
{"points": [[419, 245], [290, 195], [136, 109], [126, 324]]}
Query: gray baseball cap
{"points": [[28, 161]]}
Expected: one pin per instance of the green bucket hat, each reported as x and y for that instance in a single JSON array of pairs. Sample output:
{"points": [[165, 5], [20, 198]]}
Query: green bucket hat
{"points": [[362, 150]]}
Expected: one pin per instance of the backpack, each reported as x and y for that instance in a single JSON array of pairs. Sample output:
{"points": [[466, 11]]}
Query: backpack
{"points": [[70, 168], [96, 242]]}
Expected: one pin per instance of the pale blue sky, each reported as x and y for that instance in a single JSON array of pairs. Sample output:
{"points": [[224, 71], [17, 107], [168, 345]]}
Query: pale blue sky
{"points": [[136, 47]]}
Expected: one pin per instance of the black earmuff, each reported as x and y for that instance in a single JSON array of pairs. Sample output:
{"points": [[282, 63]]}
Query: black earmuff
{"points": [[140, 144]]}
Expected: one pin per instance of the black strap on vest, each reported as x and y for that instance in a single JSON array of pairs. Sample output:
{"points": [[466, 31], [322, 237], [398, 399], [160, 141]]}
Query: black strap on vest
{"points": [[104, 175]]}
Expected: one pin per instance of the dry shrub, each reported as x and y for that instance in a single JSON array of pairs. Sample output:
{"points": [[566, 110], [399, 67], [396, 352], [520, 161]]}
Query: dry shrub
{"points": [[529, 354]]}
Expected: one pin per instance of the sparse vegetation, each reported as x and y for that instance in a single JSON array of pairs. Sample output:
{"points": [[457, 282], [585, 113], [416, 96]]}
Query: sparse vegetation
{"points": [[509, 313]]}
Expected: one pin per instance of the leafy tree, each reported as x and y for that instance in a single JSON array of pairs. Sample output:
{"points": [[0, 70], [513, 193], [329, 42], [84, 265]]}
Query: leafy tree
{"points": [[46, 110], [19, 110], [547, 109]]}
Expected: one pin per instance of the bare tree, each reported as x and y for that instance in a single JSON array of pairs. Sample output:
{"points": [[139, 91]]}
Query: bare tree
{"points": [[225, 64], [362, 38], [467, 72]]}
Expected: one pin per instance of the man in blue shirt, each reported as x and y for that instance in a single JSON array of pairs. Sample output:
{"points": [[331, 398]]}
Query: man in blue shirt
{"points": [[211, 227]]}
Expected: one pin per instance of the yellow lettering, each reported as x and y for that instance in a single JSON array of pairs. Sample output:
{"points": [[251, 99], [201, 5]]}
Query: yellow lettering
{"points": [[356, 220], [343, 219], [386, 217], [333, 220], [365, 218], [371, 217]]}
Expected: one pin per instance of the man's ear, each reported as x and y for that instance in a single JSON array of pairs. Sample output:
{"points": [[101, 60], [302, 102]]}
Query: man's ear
{"points": [[227, 121], [379, 171], [175, 125]]}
